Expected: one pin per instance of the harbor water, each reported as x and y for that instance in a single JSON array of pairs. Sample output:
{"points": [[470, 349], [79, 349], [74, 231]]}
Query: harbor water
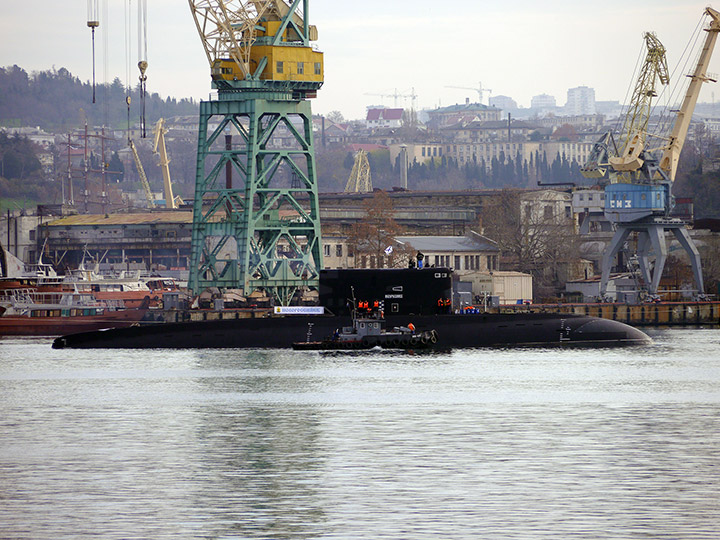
{"points": [[276, 444]]}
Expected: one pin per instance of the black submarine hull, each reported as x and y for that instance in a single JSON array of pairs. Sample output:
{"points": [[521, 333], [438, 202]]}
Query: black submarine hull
{"points": [[454, 331]]}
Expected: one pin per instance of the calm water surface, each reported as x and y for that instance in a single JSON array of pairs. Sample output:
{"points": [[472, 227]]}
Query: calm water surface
{"points": [[244, 444]]}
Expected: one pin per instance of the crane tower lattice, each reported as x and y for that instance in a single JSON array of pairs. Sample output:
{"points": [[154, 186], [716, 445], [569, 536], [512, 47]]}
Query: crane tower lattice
{"points": [[257, 225]]}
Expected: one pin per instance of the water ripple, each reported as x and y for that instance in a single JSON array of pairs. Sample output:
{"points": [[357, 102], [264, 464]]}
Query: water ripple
{"points": [[500, 444]]}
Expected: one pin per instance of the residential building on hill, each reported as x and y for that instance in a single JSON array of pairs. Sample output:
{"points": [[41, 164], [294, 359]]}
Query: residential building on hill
{"points": [[580, 100], [469, 112], [383, 118]]}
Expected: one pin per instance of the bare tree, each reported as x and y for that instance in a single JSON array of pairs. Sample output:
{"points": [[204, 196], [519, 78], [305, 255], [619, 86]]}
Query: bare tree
{"points": [[336, 116], [710, 254], [532, 240], [375, 233]]}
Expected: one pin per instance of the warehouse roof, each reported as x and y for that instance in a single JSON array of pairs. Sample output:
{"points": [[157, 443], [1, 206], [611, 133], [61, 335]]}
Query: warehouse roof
{"points": [[472, 243], [143, 218]]}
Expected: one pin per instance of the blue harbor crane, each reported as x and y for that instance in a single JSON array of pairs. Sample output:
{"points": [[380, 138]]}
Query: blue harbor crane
{"points": [[638, 179]]}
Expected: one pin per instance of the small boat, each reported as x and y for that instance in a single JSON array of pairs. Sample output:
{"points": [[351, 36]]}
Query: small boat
{"points": [[367, 332], [30, 313]]}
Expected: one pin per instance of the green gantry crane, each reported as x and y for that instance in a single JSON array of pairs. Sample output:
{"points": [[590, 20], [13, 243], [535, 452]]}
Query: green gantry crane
{"points": [[256, 219]]}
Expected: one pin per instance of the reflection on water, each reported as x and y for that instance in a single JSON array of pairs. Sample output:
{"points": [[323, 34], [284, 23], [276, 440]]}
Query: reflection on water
{"points": [[281, 444]]}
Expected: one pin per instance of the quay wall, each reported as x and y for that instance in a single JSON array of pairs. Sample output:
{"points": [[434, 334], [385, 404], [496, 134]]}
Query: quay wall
{"points": [[652, 314]]}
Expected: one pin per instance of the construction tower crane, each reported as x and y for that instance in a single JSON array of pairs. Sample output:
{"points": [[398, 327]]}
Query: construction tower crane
{"points": [[160, 149], [360, 180], [396, 95], [141, 173], [480, 90], [639, 196], [250, 230]]}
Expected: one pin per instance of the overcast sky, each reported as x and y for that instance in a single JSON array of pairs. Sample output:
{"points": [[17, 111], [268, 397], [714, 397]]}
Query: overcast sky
{"points": [[519, 49]]}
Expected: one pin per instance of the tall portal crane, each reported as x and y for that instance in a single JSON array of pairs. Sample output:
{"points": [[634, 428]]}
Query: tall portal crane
{"points": [[141, 173], [360, 180], [639, 196], [159, 148], [257, 235]]}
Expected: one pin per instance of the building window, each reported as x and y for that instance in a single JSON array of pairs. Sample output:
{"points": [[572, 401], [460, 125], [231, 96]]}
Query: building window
{"points": [[548, 212], [338, 250], [318, 68], [326, 250], [457, 262], [301, 68], [279, 67]]}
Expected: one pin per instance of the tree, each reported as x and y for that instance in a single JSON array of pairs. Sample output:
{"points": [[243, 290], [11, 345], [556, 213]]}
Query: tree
{"points": [[531, 241], [17, 157], [710, 254], [115, 168], [371, 236], [336, 116]]}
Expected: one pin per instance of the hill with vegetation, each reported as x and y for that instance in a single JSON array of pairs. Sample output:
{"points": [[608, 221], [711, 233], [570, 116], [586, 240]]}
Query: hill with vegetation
{"points": [[57, 101]]}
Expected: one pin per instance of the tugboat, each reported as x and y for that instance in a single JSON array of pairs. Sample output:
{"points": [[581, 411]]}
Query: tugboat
{"points": [[367, 332]]}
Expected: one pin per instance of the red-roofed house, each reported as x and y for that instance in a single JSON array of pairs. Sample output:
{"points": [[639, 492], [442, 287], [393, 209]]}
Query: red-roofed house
{"points": [[383, 118]]}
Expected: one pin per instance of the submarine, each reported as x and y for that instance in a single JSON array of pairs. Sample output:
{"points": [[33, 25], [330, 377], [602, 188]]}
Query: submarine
{"points": [[422, 297]]}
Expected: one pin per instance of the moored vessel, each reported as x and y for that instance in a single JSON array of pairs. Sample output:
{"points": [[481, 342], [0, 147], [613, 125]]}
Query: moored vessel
{"points": [[31, 313]]}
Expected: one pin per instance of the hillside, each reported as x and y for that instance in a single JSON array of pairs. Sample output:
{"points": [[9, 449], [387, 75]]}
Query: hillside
{"points": [[57, 101]]}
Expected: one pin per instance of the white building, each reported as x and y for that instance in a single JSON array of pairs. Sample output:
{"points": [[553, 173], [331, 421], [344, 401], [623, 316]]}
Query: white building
{"points": [[580, 100], [543, 102], [505, 103]]}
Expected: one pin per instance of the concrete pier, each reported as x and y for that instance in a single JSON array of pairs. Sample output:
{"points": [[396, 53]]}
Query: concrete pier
{"points": [[651, 314]]}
